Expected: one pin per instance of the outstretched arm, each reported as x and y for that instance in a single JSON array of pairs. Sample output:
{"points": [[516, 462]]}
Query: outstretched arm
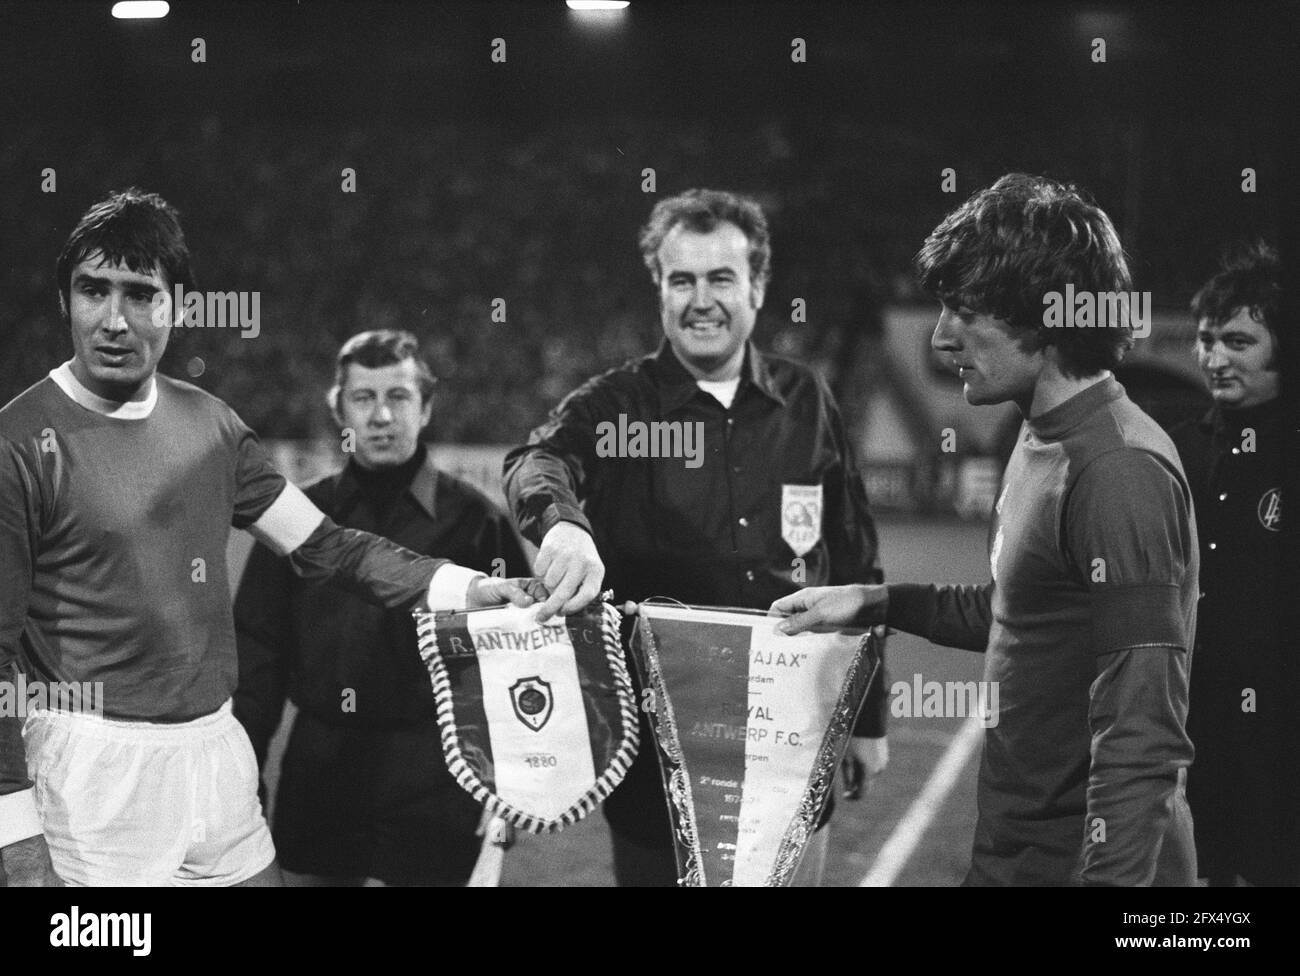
{"points": [[371, 567], [955, 616], [378, 571], [544, 481]]}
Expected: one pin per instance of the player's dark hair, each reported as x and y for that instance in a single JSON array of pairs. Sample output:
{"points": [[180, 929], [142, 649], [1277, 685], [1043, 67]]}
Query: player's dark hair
{"points": [[1249, 277], [380, 347], [701, 211], [1010, 244], [131, 227]]}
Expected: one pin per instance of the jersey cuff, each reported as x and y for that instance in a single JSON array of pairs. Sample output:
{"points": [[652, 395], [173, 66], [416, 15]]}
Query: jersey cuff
{"points": [[1137, 615], [449, 588], [912, 607], [288, 523], [18, 817], [559, 512]]}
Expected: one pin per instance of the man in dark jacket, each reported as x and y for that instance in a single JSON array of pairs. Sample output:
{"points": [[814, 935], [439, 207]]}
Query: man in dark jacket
{"points": [[762, 496], [1241, 719], [364, 794]]}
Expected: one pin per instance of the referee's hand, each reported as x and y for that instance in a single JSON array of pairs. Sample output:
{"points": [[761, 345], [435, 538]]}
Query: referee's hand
{"points": [[569, 565], [492, 591]]}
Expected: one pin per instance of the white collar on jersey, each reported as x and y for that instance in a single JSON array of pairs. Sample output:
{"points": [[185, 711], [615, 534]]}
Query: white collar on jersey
{"points": [[131, 410]]}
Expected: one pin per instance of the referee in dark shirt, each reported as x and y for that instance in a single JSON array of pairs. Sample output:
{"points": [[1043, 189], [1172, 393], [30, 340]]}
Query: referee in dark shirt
{"points": [[764, 498], [364, 794]]}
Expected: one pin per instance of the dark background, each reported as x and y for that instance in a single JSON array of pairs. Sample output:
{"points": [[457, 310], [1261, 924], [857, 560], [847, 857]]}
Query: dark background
{"points": [[522, 180]]}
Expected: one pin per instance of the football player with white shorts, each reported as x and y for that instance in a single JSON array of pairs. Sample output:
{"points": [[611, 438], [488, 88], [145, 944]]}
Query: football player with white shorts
{"points": [[118, 488]]}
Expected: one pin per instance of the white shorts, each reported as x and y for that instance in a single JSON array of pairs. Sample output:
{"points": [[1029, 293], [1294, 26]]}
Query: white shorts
{"points": [[139, 803]]}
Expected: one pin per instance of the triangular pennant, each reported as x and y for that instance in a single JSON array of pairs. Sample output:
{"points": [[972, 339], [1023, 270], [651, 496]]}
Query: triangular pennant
{"points": [[751, 726], [538, 721]]}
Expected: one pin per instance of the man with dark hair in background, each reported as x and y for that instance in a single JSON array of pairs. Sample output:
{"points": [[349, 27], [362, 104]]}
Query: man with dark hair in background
{"points": [[1088, 620], [708, 532], [1241, 719], [118, 490], [364, 794]]}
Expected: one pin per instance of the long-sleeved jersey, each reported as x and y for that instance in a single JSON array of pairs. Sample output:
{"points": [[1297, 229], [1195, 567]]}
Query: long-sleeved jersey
{"points": [[1087, 627], [114, 520]]}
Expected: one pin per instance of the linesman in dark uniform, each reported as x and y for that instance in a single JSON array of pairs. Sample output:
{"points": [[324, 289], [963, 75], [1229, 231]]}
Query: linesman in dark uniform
{"points": [[364, 794], [1241, 718]]}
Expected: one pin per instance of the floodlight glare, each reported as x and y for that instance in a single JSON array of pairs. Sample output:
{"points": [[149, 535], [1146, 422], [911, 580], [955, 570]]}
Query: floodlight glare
{"points": [[140, 9]]}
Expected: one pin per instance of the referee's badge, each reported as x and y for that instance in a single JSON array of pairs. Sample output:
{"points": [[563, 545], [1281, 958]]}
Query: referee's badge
{"points": [[801, 516]]}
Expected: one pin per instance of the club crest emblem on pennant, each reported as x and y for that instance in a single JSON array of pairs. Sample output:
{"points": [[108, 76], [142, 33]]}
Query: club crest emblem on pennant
{"points": [[751, 725], [801, 516], [538, 721], [532, 700]]}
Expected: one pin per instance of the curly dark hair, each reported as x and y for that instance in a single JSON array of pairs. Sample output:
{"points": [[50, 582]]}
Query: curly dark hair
{"points": [[131, 227], [702, 211], [1012, 243]]}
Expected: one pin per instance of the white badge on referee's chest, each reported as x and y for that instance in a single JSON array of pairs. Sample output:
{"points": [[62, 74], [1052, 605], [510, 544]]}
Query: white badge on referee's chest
{"points": [[801, 516]]}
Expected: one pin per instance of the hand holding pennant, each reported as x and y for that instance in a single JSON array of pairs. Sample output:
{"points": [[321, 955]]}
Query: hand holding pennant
{"points": [[537, 718], [823, 608]]}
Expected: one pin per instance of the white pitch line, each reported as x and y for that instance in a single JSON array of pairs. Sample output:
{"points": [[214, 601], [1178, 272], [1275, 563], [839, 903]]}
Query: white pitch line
{"points": [[898, 849]]}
